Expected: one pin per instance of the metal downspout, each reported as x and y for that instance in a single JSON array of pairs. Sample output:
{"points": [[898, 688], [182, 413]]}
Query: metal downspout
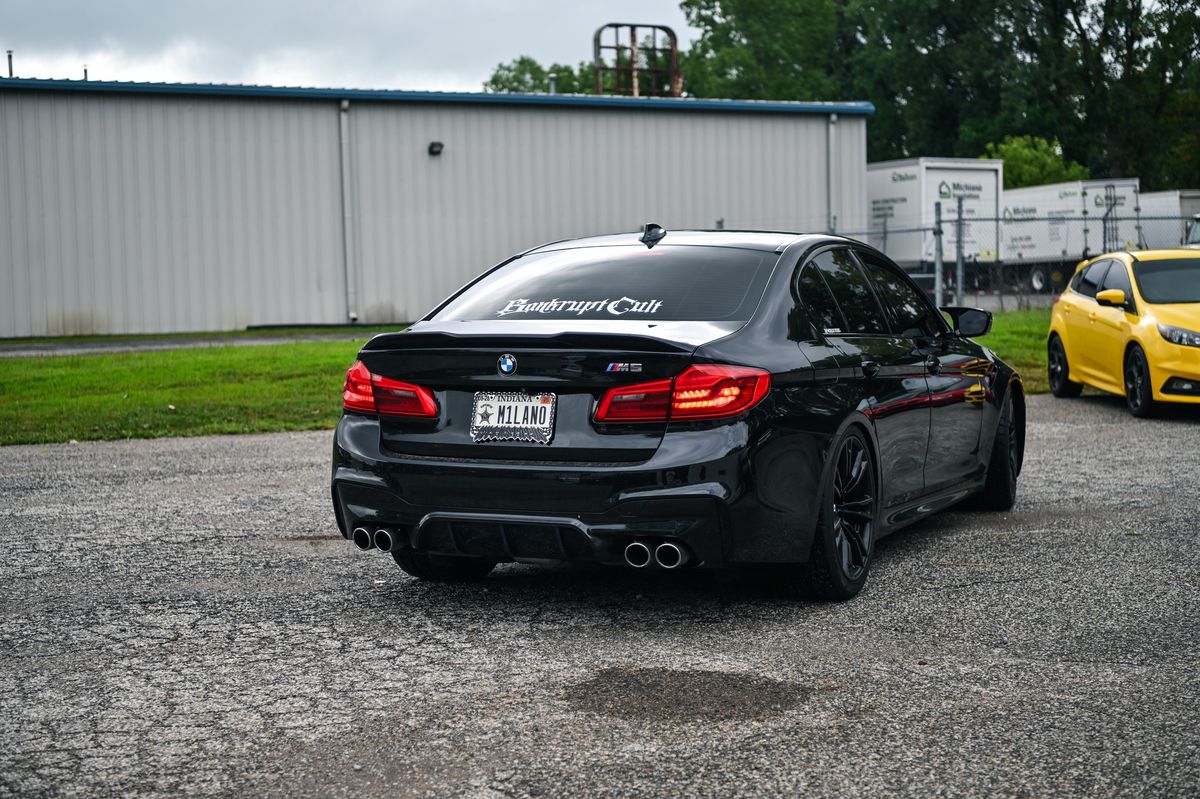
{"points": [[349, 270], [830, 183]]}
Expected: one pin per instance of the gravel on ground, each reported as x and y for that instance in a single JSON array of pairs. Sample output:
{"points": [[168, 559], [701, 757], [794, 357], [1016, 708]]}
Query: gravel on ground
{"points": [[181, 617]]}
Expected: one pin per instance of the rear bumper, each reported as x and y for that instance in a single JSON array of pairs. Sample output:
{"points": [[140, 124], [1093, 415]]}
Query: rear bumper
{"points": [[696, 491]]}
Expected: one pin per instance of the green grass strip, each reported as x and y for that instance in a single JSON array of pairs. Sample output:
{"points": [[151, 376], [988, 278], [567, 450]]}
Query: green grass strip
{"points": [[188, 392], [1019, 337], [293, 385]]}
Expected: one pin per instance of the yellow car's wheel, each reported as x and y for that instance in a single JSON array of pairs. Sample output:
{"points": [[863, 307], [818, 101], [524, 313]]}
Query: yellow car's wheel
{"points": [[1059, 371], [1139, 394]]}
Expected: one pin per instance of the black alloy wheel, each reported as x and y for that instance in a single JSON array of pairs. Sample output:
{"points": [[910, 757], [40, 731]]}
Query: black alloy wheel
{"points": [[1139, 396], [853, 508], [1058, 371], [844, 541], [999, 490]]}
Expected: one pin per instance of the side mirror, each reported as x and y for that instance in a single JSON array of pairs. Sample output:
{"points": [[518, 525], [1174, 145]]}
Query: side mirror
{"points": [[969, 322], [1112, 297]]}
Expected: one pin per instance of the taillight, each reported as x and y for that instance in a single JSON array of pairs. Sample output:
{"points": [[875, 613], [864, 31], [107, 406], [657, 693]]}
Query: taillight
{"points": [[643, 402], [364, 391], [357, 394], [702, 391], [709, 391]]}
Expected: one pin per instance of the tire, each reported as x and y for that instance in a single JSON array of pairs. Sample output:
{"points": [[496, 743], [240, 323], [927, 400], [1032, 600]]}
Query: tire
{"points": [[1139, 393], [442, 568], [844, 544], [1000, 489], [1058, 371], [1038, 282]]}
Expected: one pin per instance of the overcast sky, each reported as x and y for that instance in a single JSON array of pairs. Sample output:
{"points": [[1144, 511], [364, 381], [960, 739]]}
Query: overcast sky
{"points": [[432, 44]]}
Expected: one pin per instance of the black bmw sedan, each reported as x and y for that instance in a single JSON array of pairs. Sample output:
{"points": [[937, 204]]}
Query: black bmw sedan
{"points": [[675, 400]]}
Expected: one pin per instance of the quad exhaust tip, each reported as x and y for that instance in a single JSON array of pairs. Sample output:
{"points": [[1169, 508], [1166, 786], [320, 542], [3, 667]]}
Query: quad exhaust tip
{"points": [[383, 539], [362, 538], [670, 556], [637, 555]]}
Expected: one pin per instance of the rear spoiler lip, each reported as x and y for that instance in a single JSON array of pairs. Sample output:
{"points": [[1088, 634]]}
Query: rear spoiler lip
{"points": [[437, 341], [670, 341]]}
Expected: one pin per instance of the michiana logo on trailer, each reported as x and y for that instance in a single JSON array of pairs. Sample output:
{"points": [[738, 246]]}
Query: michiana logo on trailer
{"points": [[624, 305]]}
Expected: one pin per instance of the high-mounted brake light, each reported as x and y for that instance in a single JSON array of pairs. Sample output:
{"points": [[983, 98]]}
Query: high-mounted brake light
{"points": [[370, 393], [702, 391]]}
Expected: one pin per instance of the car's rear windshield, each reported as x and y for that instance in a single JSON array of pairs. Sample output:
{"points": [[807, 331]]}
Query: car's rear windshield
{"points": [[1168, 281], [680, 283]]}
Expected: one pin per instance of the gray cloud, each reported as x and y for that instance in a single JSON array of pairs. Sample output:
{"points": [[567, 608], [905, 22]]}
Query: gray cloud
{"points": [[401, 43]]}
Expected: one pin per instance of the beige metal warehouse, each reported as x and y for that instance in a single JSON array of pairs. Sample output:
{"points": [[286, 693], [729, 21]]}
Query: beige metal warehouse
{"points": [[132, 208]]}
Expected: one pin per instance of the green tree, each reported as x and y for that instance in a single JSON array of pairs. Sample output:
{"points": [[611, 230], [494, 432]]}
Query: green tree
{"points": [[1115, 82], [524, 75], [761, 49], [1033, 161], [1137, 65]]}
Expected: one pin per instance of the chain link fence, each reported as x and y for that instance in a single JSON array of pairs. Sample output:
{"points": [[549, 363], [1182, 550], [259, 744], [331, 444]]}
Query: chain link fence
{"points": [[1017, 261]]}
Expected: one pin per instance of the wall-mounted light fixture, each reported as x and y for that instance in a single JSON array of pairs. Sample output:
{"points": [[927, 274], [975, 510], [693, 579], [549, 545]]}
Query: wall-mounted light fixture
{"points": [[436, 147]]}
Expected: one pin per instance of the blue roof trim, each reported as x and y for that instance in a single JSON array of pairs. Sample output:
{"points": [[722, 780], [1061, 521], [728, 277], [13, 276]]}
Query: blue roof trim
{"points": [[466, 98]]}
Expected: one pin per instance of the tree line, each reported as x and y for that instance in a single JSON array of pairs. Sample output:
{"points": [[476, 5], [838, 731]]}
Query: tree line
{"points": [[1059, 88]]}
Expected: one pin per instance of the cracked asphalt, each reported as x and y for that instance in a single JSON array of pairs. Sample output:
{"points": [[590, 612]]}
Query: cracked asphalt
{"points": [[181, 617]]}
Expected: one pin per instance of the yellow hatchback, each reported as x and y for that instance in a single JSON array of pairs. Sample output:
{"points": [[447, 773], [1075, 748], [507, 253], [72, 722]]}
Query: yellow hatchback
{"points": [[1129, 323]]}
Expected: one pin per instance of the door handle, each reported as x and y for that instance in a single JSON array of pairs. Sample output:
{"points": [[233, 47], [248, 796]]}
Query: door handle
{"points": [[933, 365], [870, 368]]}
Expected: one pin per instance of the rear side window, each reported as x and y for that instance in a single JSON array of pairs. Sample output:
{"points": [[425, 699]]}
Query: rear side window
{"points": [[1091, 278], [663, 284], [852, 292], [911, 313], [818, 302]]}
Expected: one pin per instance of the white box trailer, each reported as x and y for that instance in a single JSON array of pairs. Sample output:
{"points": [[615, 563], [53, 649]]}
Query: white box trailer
{"points": [[902, 196], [1067, 222], [1167, 217]]}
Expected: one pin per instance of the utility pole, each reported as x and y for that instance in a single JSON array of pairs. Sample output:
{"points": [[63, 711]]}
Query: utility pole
{"points": [[10, 63], [937, 254], [958, 255]]}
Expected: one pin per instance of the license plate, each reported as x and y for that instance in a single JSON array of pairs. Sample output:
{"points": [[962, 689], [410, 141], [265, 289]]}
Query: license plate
{"points": [[513, 416]]}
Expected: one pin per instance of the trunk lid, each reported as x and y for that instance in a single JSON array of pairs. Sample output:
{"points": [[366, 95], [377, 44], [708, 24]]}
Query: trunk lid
{"points": [[459, 362]]}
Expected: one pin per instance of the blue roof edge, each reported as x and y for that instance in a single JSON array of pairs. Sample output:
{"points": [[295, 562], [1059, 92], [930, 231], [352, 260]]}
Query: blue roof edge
{"points": [[860, 108]]}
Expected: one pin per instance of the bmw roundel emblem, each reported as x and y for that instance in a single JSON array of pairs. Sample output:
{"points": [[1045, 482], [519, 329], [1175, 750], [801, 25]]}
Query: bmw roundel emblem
{"points": [[506, 364]]}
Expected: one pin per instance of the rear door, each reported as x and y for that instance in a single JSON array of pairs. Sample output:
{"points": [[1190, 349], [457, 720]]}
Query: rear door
{"points": [[888, 373]]}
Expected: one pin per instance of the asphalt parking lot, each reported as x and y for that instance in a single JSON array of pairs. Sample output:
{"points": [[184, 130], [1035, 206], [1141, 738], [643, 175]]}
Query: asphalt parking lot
{"points": [[181, 617]]}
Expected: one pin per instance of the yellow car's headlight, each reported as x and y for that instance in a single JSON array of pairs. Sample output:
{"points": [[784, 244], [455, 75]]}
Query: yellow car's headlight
{"points": [[1180, 335]]}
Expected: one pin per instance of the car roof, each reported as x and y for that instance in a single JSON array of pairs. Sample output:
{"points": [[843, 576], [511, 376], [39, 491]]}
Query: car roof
{"points": [[1146, 254], [743, 239], [1158, 255]]}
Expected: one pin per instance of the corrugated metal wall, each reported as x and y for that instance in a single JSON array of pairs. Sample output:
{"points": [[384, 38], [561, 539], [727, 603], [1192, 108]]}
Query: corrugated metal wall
{"points": [[124, 214], [131, 213]]}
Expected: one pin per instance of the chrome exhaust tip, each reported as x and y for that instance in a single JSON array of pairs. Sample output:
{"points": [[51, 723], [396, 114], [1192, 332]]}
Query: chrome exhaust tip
{"points": [[362, 538], [637, 555], [383, 539], [670, 556]]}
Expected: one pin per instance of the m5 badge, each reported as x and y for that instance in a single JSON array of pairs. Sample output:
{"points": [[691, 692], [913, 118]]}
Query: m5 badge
{"points": [[624, 367]]}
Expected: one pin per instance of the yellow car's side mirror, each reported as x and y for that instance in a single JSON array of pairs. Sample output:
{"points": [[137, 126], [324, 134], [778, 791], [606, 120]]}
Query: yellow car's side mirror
{"points": [[1113, 297]]}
